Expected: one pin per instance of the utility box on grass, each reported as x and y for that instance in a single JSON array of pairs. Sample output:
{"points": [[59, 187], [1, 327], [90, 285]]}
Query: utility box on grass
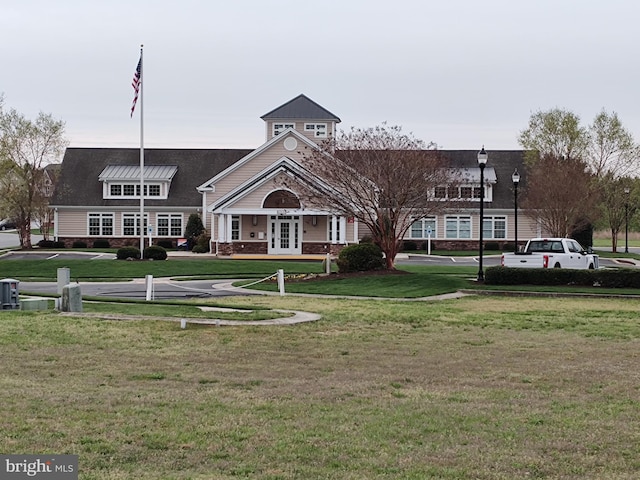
{"points": [[9, 290]]}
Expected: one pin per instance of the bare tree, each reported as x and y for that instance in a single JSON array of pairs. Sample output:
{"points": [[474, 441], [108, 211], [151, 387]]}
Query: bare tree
{"points": [[380, 176], [561, 193], [618, 203], [25, 148]]}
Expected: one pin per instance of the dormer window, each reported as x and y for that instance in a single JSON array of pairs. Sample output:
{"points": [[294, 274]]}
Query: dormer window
{"points": [[278, 128], [463, 192], [319, 129], [123, 181], [133, 190]]}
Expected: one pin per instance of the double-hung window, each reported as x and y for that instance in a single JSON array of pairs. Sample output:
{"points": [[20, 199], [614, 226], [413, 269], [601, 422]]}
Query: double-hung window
{"points": [[494, 227], [458, 227], [235, 227], [131, 224], [169, 224], [423, 228], [100, 224]]}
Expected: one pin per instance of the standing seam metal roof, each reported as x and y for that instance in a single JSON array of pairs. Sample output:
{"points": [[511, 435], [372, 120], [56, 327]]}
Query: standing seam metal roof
{"points": [[163, 173]]}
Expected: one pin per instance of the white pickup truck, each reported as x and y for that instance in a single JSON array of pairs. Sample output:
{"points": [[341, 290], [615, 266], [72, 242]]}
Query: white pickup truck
{"points": [[551, 253]]}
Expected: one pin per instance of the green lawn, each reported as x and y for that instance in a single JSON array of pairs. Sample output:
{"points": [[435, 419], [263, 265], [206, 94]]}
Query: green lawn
{"points": [[474, 388], [87, 270]]}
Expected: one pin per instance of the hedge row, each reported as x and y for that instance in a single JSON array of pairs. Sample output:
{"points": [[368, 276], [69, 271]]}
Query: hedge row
{"points": [[607, 278], [152, 252]]}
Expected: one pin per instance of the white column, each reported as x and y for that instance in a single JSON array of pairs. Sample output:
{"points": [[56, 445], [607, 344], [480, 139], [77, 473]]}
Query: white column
{"points": [[355, 230], [334, 224], [55, 224], [221, 227], [343, 230], [228, 220]]}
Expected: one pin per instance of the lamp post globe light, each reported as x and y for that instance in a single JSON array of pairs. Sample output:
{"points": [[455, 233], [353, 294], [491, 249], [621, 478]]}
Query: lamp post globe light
{"points": [[515, 178], [482, 162], [626, 220]]}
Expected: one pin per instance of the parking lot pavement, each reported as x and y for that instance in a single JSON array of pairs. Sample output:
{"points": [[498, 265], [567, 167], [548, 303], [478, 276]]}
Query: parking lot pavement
{"points": [[10, 239], [45, 255]]}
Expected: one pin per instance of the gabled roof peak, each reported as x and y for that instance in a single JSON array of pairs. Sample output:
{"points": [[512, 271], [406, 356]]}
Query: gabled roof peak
{"points": [[300, 107]]}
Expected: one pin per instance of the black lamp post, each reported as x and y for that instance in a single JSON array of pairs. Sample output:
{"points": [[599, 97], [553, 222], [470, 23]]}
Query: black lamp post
{"points": [[515, 177], [626, 220], [482, 162]]}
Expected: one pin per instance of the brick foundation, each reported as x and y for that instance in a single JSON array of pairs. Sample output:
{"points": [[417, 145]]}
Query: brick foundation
{"points": [[115, 242]]}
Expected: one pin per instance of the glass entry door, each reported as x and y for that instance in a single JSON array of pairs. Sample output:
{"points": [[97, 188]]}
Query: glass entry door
{"points": [[285, 235]]}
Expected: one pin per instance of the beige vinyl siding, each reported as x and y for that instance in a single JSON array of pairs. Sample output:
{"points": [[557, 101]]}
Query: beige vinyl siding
{"points": [[528, 228], [256, 198], [317, 233], [72, 223], [299, 126], [249, 170]]}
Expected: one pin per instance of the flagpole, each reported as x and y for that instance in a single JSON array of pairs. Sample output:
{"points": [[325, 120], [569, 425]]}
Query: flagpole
{"points": [[142, 232]]}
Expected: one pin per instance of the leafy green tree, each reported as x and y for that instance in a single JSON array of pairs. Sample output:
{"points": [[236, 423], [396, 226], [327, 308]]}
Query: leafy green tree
{"points": [[25, 148], [612, 149], [555, 132], [605, 149]]}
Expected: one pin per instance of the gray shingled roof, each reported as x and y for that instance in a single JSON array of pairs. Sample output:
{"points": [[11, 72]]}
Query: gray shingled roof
{"points": [[78, 183], [301, 107], [504, 162]]}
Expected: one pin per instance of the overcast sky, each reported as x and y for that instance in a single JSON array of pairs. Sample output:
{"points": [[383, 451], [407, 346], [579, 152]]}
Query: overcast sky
{"points": [[461, 73]]}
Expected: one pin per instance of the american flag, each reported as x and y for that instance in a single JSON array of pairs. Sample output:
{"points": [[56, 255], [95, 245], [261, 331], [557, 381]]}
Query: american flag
{"points": [[136, 84]]}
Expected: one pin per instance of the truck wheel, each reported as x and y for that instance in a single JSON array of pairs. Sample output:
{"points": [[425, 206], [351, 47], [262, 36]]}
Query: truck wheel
{"points": [[591, 266], [557, 265]]}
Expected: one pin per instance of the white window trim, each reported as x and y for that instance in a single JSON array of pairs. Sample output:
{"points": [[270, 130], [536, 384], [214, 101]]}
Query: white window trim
{"points": [[457, 219], [232, 231], [321, 132], [283, 126], [163, 190], [488, 193], [434, 230], [101, 227], [169, 217], [136, 216], [491, 234]]}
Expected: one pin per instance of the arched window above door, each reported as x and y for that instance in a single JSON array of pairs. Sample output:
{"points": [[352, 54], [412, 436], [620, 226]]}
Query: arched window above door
{"points": [[281, 199]]}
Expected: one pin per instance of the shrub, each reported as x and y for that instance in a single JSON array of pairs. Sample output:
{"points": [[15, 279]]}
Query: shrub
{"points": [[409, 245], [101, 243], [605, 278], [194, 229], [202, 244], [360, 258], [79, 244], [492, 246], [155, 252], [50, 244], [165, 243], [125, 253]]}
